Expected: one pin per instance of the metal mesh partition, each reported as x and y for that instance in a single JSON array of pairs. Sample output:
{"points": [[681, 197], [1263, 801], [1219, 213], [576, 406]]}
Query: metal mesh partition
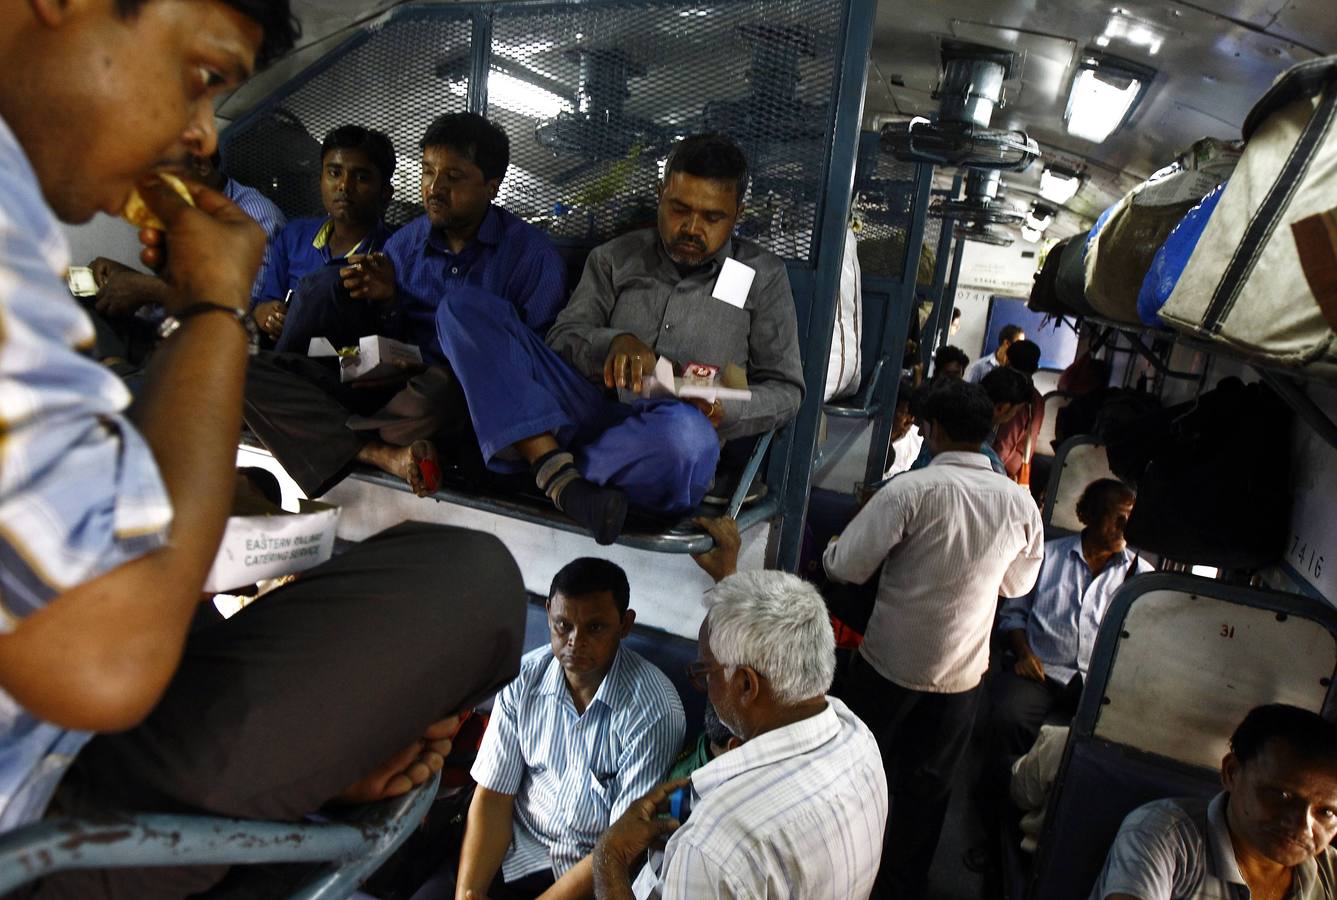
{"points": [[884, 204], [592, 96], [396, 77]]}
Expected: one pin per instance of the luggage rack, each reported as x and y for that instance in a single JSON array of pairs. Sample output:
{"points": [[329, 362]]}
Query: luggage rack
{"points": [[1282, 379]]}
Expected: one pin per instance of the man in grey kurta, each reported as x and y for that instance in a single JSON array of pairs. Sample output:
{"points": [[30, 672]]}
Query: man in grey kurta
{"points": [[688, 291]]}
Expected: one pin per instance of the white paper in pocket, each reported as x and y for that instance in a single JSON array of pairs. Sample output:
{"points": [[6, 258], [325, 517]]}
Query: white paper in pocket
{"points": [[734, 282]]}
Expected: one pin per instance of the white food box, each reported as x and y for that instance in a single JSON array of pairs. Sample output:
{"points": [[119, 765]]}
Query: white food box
{"points": [[377, 356], [256, 547]]}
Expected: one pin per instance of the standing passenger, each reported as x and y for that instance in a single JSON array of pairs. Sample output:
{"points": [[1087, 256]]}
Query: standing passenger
{"points": [[1007, 336], [948, 540]]}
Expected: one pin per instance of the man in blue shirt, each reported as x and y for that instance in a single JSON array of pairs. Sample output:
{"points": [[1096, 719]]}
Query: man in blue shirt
{"points": [[1052, 630], [129, 303], [356, 165], [587, 728], [317, 427], [110, 515]]}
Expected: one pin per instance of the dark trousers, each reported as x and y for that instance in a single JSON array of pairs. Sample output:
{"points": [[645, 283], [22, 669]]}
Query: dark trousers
{"points": [[1019, 706], [922, 737], [276, 710], [320, 307], [315, 425]]}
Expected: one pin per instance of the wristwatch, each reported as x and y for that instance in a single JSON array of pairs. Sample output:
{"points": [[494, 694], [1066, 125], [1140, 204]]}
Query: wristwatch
{"points": [[172, 323]]}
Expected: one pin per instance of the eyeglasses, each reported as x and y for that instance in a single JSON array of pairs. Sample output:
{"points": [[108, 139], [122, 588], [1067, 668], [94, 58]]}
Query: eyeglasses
{"points": [[699, 672]]}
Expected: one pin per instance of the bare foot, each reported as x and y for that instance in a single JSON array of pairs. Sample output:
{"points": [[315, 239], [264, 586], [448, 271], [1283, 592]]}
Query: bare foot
{"points": [[417, 464], [409, 767]]}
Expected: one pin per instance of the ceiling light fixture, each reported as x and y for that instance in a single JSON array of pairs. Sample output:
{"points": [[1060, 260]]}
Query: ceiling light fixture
{"points": [[1059, 185], [1030, 235], [1040, 217], [1104, 92]]}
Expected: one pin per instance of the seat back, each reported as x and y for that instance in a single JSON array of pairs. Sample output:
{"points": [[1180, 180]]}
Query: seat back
{"points": [[1080, 461], [1044, 440], [1178, 662]]}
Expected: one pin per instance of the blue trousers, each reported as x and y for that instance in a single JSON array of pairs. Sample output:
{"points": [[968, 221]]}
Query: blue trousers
{"points": [[661, 453]]}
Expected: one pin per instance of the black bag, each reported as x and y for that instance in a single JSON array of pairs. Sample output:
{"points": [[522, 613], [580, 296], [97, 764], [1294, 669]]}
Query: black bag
{"points": [[1044, 293], [1216, 490], [1070, 282]]}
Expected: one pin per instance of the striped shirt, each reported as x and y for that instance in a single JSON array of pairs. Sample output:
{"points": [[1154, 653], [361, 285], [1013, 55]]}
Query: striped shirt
{"points": [[508, 257], [573, 774], [949, 539], [797, 812], [1062, 614], [80, 493], [267, 216]]}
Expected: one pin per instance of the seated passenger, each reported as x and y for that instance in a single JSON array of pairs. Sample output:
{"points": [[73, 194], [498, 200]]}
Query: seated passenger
{"points": [[356, 165], [947, 541], [1007, 335], [110, 514], [1268, 834], [123, 291], [796, 811], [715, 740], [687, 291], [906, 439], [950, 363], [587, 728], [1008, 390], [1015, 441], [316, 426], [1052, 630]]}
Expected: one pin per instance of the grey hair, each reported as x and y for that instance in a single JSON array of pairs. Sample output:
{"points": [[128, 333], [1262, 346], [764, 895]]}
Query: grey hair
{"points": [[777, 624]]}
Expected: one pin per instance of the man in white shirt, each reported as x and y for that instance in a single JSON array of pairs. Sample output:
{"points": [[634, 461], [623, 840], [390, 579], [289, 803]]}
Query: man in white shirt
{"points": [[948, 539], [797, 811], [1007, 336]]}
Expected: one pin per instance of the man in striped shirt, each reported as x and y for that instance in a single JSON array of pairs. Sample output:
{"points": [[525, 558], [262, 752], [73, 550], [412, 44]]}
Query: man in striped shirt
{"points": [[797, 810], [587, 728], [948, 539]]}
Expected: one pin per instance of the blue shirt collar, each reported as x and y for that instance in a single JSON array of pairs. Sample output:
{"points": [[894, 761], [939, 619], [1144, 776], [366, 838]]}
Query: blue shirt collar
{"points": [[490, 233], [612, 691], [1123, 558]]}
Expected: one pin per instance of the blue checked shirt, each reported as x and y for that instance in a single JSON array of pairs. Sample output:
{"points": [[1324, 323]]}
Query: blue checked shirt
{"points": [[572, 775], [794, 814], [302, 247], [80, 493], [1062, 613], [509, 258], [266, 214]]}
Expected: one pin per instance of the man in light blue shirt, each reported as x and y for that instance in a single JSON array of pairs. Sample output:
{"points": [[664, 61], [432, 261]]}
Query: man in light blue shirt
{"points": [[587, 729], [1052, 630]]}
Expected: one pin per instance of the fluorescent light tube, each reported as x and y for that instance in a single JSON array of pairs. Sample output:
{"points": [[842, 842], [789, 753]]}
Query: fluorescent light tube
{"points": [[1099, 102]]}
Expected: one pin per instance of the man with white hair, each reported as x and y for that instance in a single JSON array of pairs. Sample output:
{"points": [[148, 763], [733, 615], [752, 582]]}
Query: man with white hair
{"points": [[797, 810]]}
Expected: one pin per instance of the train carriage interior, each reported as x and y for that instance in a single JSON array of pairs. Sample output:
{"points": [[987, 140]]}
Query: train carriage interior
{"points": [[993, 164]]}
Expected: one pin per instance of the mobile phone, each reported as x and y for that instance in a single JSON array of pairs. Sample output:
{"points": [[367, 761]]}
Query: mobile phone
{"points": [[81, 281], [680, 803]]}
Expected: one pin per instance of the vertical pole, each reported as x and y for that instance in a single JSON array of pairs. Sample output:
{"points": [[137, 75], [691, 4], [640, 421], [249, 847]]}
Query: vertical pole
{"points": [[897, 327], [944, 323], [928, 343], [856, 42], [480, 53]]}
